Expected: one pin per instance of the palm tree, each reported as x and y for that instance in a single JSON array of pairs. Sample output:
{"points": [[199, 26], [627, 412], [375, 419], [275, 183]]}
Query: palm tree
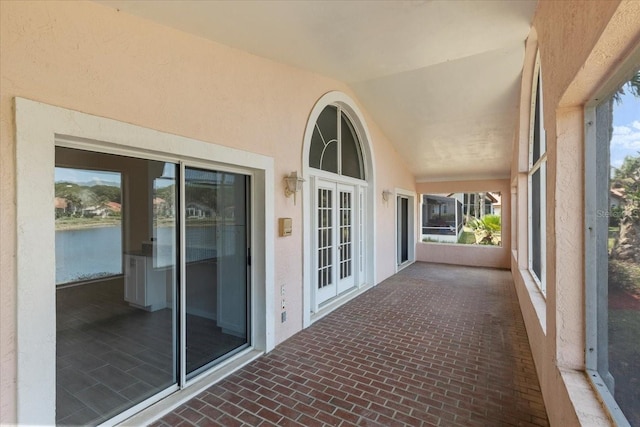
{"points": [[633, 86], [627, 177]]}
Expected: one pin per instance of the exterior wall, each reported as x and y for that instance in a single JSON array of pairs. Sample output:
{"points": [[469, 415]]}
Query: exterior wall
{"points": [[93, 59], [580, 45], [479, 256]]}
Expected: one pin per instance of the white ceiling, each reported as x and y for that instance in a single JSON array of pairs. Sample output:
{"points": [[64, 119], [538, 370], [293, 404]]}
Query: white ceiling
{"points": [[441, 78]]}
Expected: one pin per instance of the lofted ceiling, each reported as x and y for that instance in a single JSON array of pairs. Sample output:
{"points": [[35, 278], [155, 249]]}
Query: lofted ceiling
{"points": [[440, 77]]}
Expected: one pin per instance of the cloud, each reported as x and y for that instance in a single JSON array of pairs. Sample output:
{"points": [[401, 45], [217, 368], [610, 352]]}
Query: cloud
{"points": [[626, 137]]}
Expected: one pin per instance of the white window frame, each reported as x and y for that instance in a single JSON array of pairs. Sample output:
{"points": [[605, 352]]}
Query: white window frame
{"points": [[39, 128], [539, 165]]}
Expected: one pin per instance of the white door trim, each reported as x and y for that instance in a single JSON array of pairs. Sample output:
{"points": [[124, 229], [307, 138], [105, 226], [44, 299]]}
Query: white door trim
{"points": [[411, 211], [38, 127]]}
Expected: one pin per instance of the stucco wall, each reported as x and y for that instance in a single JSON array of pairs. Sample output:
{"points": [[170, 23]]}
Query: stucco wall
{"points": [[479, 256], [581, 44], [93, 59]]}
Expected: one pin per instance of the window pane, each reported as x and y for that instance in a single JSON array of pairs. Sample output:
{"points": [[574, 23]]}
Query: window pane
{"points": [[115, 334], [464, 218], [88, 207], [216, 237], [618, 222], [536, 223], [323, 153], [536, 127], [351, 156]]}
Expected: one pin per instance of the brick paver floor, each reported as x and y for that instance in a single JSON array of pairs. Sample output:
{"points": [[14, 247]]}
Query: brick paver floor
{"points": [[434, 345]]}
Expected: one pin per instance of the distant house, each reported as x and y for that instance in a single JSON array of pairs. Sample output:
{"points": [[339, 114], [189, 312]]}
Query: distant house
{"points": [[616, 198], [441, 218], [496, 204], [60, 205]]}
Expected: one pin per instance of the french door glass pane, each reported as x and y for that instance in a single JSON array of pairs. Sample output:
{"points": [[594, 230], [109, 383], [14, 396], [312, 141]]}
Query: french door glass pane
{"points": [[345, 234], [216, 250], [116, 323], [325, 243]]}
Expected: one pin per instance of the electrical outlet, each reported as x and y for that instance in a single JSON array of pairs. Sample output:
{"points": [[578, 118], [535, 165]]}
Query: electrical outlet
{"points": [[283, 317]]}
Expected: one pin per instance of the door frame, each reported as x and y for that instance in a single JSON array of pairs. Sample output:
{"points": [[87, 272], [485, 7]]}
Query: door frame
{"points": [[411, 197], [39, 128]]}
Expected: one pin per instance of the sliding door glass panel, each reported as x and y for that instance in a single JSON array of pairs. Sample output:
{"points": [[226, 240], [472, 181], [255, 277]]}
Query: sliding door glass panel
{"points": [[216, 248], [87, 208], [115, 309]]}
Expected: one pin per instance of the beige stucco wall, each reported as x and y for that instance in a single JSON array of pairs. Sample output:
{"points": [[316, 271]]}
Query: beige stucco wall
{"points": [[86, 57], [479, 256], [580, 45]]}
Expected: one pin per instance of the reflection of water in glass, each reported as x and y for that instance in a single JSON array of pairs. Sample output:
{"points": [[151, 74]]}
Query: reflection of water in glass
{"points": [[93, 252], [88, 253]]}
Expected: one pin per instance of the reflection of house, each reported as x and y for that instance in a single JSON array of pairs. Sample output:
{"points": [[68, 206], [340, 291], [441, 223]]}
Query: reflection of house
{"points": [[198, 210], [229, 212], [103, 210], [114, 207], [161, 207], [60, 205]]}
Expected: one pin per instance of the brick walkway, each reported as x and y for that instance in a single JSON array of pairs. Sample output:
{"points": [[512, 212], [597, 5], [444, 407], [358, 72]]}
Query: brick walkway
{"points": [[434, 345]]}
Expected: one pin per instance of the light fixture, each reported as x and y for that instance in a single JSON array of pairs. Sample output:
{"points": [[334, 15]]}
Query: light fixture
{"points": [[293, 184], [385, 195]]}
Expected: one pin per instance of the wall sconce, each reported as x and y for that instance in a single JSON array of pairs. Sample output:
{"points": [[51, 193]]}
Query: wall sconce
{"points": [[293, 184], [385, 195]]}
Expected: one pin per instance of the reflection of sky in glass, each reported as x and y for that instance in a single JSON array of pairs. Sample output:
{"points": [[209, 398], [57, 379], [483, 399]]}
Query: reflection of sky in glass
{"points": [[626, 128], [84, 176]]}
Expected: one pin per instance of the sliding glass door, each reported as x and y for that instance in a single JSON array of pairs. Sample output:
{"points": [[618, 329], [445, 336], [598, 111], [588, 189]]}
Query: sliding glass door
{"points": [[115, 283], [152, 281], [216, 250]]}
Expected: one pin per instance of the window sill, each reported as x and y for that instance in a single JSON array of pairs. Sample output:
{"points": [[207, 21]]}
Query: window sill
{"points": [[588, 404], [538, 300]]}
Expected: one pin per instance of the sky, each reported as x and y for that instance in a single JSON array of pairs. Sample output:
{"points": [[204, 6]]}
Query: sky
{"points": [[626, 129]]}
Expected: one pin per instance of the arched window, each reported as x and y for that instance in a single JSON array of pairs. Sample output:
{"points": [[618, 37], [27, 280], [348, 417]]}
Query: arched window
{"points": [[334, 144]]}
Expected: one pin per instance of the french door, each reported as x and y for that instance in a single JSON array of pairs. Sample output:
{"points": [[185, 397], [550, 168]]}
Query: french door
{"points": [[335, 241]]}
